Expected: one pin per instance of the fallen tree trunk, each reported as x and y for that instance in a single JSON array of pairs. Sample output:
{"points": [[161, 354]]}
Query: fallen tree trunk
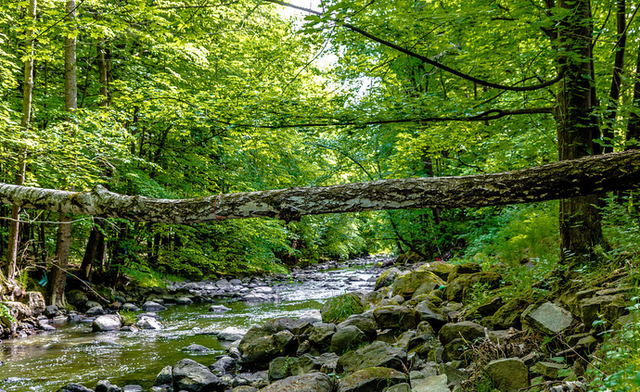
{"points": [[557, 180]]}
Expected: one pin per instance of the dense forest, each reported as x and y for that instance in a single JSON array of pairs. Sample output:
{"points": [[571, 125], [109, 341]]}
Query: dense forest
{"points": [[179, 99]]}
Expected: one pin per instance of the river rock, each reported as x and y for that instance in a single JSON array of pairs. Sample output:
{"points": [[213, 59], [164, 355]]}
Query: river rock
{"points": [[130, 307], [461, 287], [279, 368], [35, 301], [165, 377], [321, 334], [305, 364], [311, 382], [430, 313], [223, 365], [508, 375], [431, 384], [197, 348], [18, 310], [231, 334], [311, 316], [219, 308], [77, 298], [508, 316], [548, 369], [132, 388], [151, 306], [415, 283], [548, 318], [371, 380], [386, 278], [454, 350], [146, 322], [108, 322], [364, 323], [260, 351], [467, 329], [75, 388], [396, 317], [347, 338], [184, 300], [377, 354], [95, 311], [189, 375]]}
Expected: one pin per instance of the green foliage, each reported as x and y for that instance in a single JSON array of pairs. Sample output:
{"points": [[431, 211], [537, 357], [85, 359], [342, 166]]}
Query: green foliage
{"points": [[127, 317], [338, 309], [5, 313]]}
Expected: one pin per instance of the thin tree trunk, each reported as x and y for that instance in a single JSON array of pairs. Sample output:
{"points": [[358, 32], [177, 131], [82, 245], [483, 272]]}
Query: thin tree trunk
{"points": [[63, 242], [633, 127], [27, 100]]}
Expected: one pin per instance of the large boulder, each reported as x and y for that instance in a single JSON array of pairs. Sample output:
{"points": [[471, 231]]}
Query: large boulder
{"points": [[347, 338], [377, 354], [311, 382], [18, 310], [431, 384], [396, 317], [152, 306], [321, 334], [364, 323], [508, 375], [387, 278], [146, 322], [374, 379], [189, 375], [466, 329], [165, 377], [508, 315], [77, 298], [258, 352], [337, 309], [462, 286], [547, 318], [609, 306], [35, 301], [108, 322], [415, 283], [231, 334], [430, 313]]}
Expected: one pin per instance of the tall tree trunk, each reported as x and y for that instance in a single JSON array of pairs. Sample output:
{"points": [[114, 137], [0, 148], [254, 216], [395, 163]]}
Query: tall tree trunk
{"points": [[27, 100], [616, 80], [633, 127], [580, 222], [63, 242]]}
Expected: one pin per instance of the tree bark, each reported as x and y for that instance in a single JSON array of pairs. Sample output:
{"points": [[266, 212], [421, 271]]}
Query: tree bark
{"points": [[633, 127], [616, 79], [27, 100], [63, 242], [569, 178], [580, 222]]}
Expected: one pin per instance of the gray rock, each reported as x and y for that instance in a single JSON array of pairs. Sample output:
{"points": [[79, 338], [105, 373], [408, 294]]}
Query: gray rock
{"points": [[347, 338], [130, 307], [365, 324], [105, 386], [548, 318], [165, 377], [146, 322], [396, 317], [108, 322], [197, 348], [51, 311], [371, 380], [312, 316], [77, 298], [218, 308], [258, 352], [548, 369], [431, 384], [35, 301], [467, 329], [184, 300], [386, 278], [454, 350], [132, 388], [311, 382], [305, 364], [377, 354], [151, 306], [431, 314], [279, 368], [223, 365], [508, 375], [231, 334], [95, 311], [191, 376], [321, 334], [75, 388]]}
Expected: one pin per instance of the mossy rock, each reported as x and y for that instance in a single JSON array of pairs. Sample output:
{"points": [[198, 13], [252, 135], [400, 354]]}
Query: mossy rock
{"points": [[337, 309], [371, 379], [508, 315], [387, 278], [416, 283], [460, 288]]}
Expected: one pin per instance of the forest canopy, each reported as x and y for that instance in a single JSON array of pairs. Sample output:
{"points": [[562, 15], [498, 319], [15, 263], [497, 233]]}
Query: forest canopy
{"points": [[186, 99]]}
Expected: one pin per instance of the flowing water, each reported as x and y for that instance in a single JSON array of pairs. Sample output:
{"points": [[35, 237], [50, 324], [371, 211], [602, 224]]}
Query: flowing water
{"points": [[47, 361]]}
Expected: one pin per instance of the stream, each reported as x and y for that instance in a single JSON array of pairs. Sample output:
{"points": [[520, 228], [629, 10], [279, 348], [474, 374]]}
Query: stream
{"points": [[73, 353]]}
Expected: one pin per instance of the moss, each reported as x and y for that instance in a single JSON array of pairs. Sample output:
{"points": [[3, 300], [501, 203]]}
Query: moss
{"points": [[337, 309]]}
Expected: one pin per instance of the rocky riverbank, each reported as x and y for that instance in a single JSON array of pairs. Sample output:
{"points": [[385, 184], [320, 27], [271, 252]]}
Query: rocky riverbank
{"points": [[421, 329]]}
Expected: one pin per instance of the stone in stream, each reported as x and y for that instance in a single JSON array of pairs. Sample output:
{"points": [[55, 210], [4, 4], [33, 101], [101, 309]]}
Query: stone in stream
{"points": [[365, 324], [311, 382], [151, 306], [258, 352], [132, 388], [223, 365], [146, 322], [95, 311], [75, 388], [165, 377], [218, 308], [35, 301], [109, 322], [190, 376], [130, 307], [311, 316], [321, 334], [508, 375], [197, 348], [231, 334], [371, 380]]}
